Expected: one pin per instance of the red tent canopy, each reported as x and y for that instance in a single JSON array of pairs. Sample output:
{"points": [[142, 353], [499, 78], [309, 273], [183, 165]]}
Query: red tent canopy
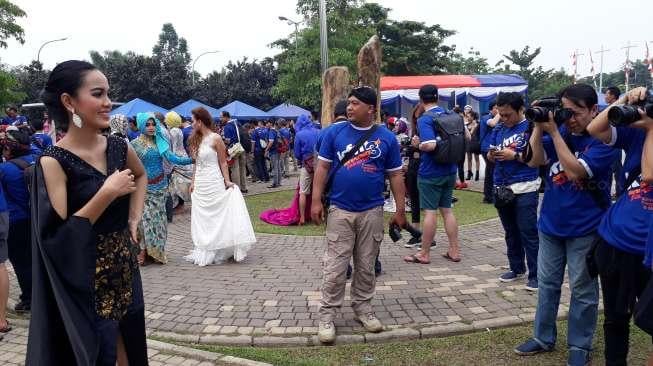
{"points": [[441, 81]]}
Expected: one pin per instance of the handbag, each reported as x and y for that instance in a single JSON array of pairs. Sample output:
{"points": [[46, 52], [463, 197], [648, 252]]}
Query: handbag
{"points": [[236, 149]]}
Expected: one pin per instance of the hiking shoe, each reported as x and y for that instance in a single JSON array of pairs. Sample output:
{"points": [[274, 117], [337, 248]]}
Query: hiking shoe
{"points": [[371, 323], [578, 357], [510, 276], [531, 285], [23, 307], [326, 332], [529, 348]]}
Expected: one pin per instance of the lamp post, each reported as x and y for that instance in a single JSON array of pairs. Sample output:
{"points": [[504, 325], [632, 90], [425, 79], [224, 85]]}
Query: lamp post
{"points": [[296, 24], [192, 72], [38, 55], [324, 47]]}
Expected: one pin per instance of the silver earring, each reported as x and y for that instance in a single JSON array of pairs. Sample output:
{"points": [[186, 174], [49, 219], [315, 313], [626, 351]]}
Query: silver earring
{"points": [[77, 120]]}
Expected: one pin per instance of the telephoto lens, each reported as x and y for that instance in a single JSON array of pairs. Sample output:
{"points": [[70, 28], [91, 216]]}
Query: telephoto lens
{"points": [[537, 114], [623, 115]]}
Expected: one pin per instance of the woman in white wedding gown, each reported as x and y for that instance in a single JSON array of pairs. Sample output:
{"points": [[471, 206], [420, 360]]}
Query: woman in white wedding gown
{"points": [[220, 225]]}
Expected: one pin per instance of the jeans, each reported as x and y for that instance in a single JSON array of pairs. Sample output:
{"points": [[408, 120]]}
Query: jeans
{"points": [[519, 220], [553, 255], [19, 243], [488, 181], [259, 164], [275, 160]]}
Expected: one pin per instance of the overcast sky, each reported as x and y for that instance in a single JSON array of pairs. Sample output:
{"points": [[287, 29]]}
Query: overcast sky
{"points": [[246, 27]]}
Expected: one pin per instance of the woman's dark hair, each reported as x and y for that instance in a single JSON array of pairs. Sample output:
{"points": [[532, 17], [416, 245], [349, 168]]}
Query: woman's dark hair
{"points": [[67, 77], [512, 99], [582, 95], [415, 115], [18, 142]]}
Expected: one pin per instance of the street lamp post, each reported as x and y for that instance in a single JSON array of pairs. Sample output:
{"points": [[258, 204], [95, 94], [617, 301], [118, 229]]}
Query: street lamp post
{"points": [[38, 55], [192, 72], [296, 24]]}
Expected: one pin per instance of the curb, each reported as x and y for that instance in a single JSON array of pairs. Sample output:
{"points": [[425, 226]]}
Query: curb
{"points": [[200, 355]]}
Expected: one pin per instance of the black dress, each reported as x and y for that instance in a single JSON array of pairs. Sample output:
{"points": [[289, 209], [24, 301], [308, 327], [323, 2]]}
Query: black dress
{"points": [[87, 286]]}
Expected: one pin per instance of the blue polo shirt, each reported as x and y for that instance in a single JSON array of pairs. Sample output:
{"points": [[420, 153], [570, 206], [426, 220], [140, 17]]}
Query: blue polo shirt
{"points": [[625, 225], [15, 121], [428, 167], [568, 208], [285, 133], [514, 138], [358, 185], [485, 133], [15, 189], [259, 134], [230, 132], [132, 135], [272, 139]]}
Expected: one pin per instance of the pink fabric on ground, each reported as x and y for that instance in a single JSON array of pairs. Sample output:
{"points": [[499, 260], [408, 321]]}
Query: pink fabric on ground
{"points": [[287, 216]]}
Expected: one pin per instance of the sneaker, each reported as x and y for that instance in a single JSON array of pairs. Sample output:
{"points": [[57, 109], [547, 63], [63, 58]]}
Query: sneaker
{"points": [[370, 322], [413, 242], [578, 357], [326, 332], [529, 348], [23, 307], [531, 285], [510, 276]]}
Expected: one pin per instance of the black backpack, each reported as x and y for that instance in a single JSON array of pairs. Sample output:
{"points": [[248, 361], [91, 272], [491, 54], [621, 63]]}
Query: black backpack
{"points": [[451, 146]]}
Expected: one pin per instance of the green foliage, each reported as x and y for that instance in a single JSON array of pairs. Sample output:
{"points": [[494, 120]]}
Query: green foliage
{"points": [[8, 27], [638, 76], [474, 63], [9, 88]]}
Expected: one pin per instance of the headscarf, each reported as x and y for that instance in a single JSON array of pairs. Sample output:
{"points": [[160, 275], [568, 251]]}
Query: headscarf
{"points": [[118, 124], [162, 143], [173, 120], [303, 122]]}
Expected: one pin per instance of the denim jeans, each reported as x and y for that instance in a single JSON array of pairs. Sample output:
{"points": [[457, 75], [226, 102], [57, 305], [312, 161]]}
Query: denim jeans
{"points": [[553, 255], [275, 160], [519, 220], [259, 164]]}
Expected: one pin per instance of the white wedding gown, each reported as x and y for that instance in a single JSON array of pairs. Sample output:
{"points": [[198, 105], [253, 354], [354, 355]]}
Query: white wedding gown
{"points": [[220, 225]]}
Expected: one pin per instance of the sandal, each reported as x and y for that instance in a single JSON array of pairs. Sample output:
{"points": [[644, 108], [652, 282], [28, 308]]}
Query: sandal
{"points": [[6, 329], [413, 258], [450, 258]]}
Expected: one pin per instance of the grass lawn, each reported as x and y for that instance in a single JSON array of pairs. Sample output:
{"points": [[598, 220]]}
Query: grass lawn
{"points": [[468, 210], [487, 348]]}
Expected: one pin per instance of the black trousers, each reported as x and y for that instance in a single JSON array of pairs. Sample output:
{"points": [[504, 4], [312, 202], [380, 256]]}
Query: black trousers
{"points": [[19, 243], [623, 279], [413, 194], [488, 181], [461, 171]]}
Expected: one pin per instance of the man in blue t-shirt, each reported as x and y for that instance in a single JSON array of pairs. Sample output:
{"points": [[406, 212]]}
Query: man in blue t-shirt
{"points": [[624, 231], [516, 185], [39, 138], [576, 198], [13, 118], [355, 220], [231, 134], [4, 252], [259, 138], [488, 122], [272, 152], [133, 132], [435, 181]]}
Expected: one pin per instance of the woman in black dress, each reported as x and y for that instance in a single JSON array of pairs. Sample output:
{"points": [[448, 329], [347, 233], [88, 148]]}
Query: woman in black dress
{"points": [[87, 197]]}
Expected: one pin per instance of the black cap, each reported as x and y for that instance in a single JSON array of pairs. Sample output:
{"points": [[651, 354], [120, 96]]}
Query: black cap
{"points": [[340, 109], [365, 94], [428, 92]]}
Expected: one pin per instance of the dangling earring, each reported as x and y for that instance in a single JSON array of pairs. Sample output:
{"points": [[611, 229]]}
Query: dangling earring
{"points": [[77, 120]]}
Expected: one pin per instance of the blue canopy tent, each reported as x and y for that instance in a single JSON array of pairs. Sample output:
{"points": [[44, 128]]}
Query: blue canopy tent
{"points": [[135, 106], [245, 112], [289, 111], [185, 108]]}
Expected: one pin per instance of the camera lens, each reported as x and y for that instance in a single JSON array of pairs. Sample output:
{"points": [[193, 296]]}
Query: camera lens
{"points": [[623, 115], [537, 114], [563, 115]]}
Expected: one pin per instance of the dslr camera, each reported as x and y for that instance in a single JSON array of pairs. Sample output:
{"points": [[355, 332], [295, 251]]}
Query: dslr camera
{"points": [[624, 115], [540, 111]]}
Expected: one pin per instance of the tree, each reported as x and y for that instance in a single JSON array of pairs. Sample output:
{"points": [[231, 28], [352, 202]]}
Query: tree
{"points": [[470, 65], [130, 75], [8, 27], [638, 76], [172, 84], [9, 88]]}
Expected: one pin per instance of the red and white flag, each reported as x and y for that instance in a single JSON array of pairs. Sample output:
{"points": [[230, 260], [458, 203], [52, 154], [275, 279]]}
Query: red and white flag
{"points": [[574, 64], [592, 69], [648, 60]]}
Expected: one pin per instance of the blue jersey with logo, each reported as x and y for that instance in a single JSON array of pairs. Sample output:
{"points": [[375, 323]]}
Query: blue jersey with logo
{"points": [[514, 138], [568, 208], [42, 140], [647, 204], [625, 225], [260, 134], [428, 167], [486, 132], [358, 185], [272, 140], [15, 189]]}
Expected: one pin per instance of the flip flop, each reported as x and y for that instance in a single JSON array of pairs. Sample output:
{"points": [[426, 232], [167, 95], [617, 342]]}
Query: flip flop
{"points": [[6, 329], [415, 259], [450, 258]]}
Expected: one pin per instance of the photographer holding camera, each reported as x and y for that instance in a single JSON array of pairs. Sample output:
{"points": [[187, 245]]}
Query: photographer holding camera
{"points": [[624, 228], [516, 185], [576, 198]]}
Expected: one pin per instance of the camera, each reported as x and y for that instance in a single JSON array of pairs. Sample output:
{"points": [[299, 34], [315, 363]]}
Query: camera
{"points": [[540, 112], [624, 115], [403, 139], [395, 232]]}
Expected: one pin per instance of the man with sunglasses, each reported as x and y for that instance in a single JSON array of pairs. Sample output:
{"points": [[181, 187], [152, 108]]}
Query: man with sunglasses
{"points": [[354, 157]]}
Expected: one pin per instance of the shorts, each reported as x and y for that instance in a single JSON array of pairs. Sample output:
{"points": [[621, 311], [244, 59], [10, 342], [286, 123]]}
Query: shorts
{"points": [[437, 192], [4, 231], [305, 181]]}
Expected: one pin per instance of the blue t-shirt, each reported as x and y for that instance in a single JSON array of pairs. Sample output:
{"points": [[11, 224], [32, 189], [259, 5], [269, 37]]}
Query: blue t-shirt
{"points": [[186, 132], [3, 201], [260, 134], [514, 138], [358, 185], [230, 132], [14, 121], [272, 140], [625, 225], [647, 204], [485, 133], [133, 135], [285, 133], [568, 209], [42, 140], [15, 189], [428, 167]]}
